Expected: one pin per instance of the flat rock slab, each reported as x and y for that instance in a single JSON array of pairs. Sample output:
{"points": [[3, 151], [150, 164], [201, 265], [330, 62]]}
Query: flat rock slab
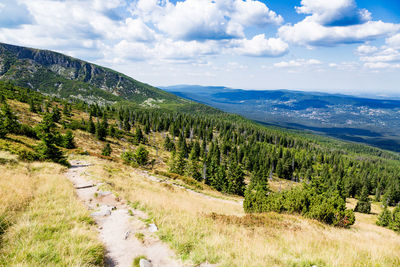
{"points": [[104, 211]]}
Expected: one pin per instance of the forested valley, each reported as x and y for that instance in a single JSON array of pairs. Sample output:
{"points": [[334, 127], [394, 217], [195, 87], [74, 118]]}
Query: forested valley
{"points": [[224, 151]]}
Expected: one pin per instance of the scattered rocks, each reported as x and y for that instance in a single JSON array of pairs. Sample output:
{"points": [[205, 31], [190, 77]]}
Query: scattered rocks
{"points": [[104, 211], [103, 193], [153, 228], [127, 235], [116, 225], [145, 263]]}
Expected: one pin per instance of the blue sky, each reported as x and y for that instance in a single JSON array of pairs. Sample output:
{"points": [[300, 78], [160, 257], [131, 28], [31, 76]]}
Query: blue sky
{"points": [[340, 46]]}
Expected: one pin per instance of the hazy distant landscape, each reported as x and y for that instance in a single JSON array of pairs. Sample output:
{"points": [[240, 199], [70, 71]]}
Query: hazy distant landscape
{"points": [[372, 121]]}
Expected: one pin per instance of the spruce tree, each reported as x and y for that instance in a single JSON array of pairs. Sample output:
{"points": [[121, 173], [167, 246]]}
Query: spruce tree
{"points": [[168, 144], [32, 106], [91, 126], [138, 136], [141, 155], [56, 114], [192, 168], [10, 122], [47, 149], [179, 163], [363, 204], [235, 177], [68, 140], [106, 150], [385, 218], [101, 131]]}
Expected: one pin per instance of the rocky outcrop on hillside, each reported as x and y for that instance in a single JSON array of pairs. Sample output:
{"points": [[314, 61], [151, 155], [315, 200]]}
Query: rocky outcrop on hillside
{"points": [[64, 76]]}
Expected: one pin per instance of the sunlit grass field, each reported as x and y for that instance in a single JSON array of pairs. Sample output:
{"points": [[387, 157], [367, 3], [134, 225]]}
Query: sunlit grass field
{"points": [[208, 230], [42, 221]]}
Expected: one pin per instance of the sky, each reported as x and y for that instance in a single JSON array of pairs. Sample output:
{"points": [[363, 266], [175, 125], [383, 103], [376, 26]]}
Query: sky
{"points": [[336, 46]]}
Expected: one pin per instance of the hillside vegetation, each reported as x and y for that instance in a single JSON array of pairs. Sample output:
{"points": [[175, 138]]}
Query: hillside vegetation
{"points": [[299, 191]]}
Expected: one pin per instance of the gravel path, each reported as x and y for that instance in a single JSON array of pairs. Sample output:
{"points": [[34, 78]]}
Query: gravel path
{"points": [[124, 234]]}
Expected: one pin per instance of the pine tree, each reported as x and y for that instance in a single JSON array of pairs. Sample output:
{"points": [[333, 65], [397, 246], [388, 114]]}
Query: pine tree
{"points": [[8, 121], [139, 137], [126, 124], [179, 163], [32, 106], [168, 144], [385, 218], [219, 181], [66, 110], [47, 149], [363, 204], [235, 177], [141, 155], [56, 114], [101, 131], [68, 140], [91, 126], [3, 130], [192, 168], [106, 150]]}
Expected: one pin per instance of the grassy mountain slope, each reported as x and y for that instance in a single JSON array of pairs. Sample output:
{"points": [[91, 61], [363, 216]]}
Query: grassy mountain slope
{"points": [[208, 227], [63, 76]]}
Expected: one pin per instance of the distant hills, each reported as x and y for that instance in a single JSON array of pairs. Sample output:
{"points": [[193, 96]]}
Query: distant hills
{"points": [[372, 121]]}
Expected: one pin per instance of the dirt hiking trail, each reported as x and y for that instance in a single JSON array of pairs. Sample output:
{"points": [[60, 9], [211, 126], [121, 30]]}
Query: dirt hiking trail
{"points": [[125, 237]]}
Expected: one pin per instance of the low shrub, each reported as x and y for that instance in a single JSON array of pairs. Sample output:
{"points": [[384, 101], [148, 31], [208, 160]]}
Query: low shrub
{"points": [[309, 200], [363, 207]]}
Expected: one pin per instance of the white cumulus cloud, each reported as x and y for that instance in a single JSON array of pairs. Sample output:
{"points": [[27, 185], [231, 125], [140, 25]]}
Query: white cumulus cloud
{"points": [[331, 23], [394, 41], [260, 46], [366, 49]]}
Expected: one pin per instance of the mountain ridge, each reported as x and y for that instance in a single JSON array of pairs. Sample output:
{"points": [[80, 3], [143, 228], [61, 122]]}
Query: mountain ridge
{"points": [[30, 67]]}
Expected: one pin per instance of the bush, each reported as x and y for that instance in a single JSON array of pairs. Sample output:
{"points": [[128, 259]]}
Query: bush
{"points": [[27, 131], [363, 207], [26, 155], [384, 218], [140, 156], [106, 150], [328, 207], [395, 224], [128, 157]]}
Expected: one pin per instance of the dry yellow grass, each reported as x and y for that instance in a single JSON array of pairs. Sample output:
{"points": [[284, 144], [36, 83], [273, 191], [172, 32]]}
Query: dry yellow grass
{"points": [[16, 189], [45, 223], [186, 223]]}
